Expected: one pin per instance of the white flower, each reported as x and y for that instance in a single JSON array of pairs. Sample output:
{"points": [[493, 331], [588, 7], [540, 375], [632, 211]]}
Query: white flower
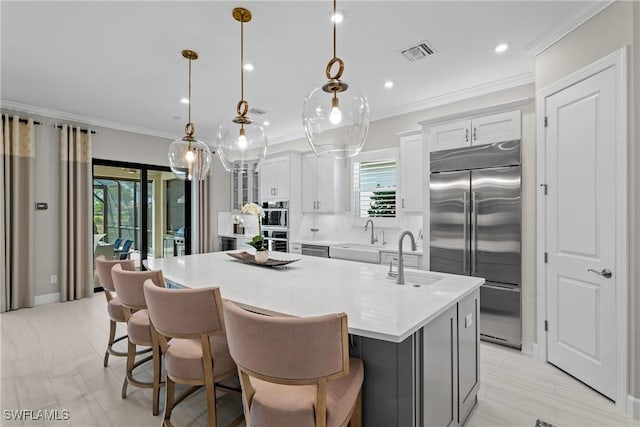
{"points": [[252, 209]]}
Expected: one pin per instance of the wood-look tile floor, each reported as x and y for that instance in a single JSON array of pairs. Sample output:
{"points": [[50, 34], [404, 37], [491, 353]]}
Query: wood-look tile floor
{"points": [[51, 358]]}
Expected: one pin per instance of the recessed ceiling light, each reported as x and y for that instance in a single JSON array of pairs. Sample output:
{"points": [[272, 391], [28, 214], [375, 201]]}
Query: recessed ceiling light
{"points": [[266, 123], [338, 17], [184, 100], [501, 48], [388, 84], [248, 66]]}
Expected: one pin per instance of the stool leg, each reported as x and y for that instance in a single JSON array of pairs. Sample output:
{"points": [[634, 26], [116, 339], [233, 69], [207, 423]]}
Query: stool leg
{"points": [[168, 406], [210, 389], [131, 358], [112, 336], [356, 416], [157, 361]]}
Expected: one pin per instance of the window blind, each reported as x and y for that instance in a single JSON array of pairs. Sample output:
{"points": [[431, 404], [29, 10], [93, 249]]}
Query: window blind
{"points": [[374, 189]]}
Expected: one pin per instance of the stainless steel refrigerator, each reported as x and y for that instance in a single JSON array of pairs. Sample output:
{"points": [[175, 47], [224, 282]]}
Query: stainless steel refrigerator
{"points": [[476, 229]]}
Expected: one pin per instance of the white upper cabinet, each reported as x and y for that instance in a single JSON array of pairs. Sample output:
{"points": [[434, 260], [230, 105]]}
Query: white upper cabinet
{"points": [[477, 131], [496, 128], [411, 170], [451, 135], [275, 179], [323, 180]]}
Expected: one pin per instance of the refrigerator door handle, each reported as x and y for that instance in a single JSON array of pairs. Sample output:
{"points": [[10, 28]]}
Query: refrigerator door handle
{"points": [[474, 231], [465, 231]]}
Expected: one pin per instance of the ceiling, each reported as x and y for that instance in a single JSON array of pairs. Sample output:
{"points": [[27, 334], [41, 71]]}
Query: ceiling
{"points": [[118, 64]]}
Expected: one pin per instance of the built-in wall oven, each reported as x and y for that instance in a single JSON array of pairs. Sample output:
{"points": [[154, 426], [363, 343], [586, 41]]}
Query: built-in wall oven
{"points": [[275, 225]]}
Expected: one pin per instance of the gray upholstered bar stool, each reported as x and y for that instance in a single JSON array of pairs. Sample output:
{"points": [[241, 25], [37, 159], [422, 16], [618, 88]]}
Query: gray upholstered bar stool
{"points": [[197, 353], [129, 287], [295, 371], [114, 308]]}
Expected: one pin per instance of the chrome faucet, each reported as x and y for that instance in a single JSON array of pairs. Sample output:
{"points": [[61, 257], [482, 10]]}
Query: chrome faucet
{"points": [[400, 279], [373, 237], [384, 242]]}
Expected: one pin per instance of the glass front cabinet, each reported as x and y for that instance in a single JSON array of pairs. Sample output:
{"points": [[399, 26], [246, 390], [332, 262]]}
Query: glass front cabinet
{"points": [[244, 188]]}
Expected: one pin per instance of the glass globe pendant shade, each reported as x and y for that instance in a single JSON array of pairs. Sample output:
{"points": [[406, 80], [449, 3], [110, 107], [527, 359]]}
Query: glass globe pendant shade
{"points": [[189, 158], [241, 148], [337, 124]]}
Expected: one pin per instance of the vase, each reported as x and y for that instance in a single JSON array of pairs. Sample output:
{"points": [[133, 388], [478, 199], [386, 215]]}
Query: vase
{"points": [[262, 257]]}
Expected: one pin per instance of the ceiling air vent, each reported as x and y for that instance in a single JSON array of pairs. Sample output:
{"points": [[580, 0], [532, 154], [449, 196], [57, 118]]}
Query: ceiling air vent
{"points": [[418, 51]]}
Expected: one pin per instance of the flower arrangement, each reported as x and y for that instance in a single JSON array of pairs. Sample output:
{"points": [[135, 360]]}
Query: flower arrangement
{"points": [[258, 241]]}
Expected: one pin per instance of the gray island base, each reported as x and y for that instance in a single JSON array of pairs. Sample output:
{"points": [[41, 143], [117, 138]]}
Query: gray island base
{"points": [[419, 342]]}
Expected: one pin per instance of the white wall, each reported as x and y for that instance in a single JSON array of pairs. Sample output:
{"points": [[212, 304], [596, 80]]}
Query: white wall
{"points": [[613, 28]]}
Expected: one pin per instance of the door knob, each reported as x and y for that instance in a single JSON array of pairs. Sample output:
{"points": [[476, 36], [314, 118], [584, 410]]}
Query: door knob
{"points": [[604, 273]]}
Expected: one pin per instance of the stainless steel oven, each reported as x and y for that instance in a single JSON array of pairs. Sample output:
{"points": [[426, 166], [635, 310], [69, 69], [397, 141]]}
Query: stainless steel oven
{"points": [[275, 225]]}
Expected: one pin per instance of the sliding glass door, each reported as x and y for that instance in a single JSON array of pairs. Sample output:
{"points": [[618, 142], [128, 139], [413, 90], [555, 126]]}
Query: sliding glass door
{"points": [[139, 211]]}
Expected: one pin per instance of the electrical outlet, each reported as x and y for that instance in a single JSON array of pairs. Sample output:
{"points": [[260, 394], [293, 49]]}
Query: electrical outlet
{"points": [[54, 278], [468, 320]]}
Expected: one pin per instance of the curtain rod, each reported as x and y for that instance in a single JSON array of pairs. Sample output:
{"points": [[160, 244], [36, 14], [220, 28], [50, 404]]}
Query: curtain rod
{"points": [[25, 121], [93, 132]]}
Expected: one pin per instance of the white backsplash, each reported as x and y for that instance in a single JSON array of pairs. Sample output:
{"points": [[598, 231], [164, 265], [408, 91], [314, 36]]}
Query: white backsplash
{"points": [[341, 228]]}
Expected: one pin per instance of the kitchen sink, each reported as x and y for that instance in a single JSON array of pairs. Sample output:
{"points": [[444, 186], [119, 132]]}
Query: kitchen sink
{"points": [[419, 278], [356, 252]]}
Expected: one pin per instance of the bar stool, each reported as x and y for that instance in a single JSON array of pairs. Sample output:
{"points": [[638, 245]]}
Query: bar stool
{"points": [[197, 353], [114, 308], [128, 286], [295, 372]]}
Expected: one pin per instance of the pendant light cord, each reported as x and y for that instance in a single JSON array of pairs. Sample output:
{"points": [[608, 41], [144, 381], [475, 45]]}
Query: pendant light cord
{"points": [[241, 61], [334, 29]]}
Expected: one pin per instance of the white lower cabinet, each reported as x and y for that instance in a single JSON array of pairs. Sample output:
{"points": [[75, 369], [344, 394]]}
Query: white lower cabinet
{"points": [[295, 248]]}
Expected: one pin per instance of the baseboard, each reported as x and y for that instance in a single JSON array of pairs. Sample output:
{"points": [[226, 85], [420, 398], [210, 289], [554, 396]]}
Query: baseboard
{"points": [[46, 298], [633, 407]]}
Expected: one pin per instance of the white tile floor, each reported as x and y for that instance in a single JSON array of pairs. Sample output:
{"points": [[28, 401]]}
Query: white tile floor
{"points": [[51, 358]]}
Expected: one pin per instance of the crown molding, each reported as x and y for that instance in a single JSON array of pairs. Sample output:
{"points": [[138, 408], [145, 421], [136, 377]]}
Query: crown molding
{"points": [[553, 35], [457, 95], [81, 119]]}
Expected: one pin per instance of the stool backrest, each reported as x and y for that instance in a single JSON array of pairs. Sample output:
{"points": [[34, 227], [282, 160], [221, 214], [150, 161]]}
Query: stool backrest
{"points": [[129, 284], [104, 266], [184, 313]]}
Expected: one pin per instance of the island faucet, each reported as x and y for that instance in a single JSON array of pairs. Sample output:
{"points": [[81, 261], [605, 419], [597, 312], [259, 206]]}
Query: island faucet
{"points": [[400, 279], [373, 237]]}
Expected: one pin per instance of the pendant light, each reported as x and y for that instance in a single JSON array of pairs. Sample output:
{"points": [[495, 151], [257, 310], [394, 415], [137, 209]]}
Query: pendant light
{"points": [[241, 146], [335, 115], [189, 157]]}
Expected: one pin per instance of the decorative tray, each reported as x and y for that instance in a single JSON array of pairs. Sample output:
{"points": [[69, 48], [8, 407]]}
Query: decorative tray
{"points": [[248, 258]]}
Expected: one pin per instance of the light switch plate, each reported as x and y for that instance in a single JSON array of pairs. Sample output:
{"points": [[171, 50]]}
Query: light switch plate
{"points": [[468, 320]]}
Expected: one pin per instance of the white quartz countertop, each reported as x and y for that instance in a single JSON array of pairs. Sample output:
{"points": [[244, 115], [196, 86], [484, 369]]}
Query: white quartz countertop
{"points": [[237, 236], [376, 307]]}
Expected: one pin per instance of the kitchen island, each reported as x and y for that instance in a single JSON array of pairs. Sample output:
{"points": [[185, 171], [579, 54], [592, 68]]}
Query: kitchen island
{"points": [[419, 344]]}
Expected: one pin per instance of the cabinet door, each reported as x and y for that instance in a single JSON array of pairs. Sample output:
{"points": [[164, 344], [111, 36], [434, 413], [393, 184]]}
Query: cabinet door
{"points": [[266, 181], [468, 335], [328, 183], [309, 173], [282, 172], [440, 400], [451, 135], [411, 175], [496, 128]]}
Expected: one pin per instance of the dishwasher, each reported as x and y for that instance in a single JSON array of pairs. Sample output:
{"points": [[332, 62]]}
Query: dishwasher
{"points": [[315, 250]]}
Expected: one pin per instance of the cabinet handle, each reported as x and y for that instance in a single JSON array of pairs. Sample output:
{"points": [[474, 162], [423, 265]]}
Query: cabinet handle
{"points": [[318, 204], [466, 135], [475, 137], [403, 203]]}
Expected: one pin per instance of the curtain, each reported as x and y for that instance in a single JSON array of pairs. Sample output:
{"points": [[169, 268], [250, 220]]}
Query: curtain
{"points": [[205, 243], [76, 233], [17, 238]]}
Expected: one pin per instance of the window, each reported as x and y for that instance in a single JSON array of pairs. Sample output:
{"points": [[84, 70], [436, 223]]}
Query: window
{"points": [[374, 187]]}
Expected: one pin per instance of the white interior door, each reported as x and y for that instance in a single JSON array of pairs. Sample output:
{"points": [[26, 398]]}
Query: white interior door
{"points": [[581, 230]]}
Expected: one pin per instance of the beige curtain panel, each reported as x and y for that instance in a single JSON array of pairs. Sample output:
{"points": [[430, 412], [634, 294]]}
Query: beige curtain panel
{"points": [[205, 242], [76, 233], [17, 236]]}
